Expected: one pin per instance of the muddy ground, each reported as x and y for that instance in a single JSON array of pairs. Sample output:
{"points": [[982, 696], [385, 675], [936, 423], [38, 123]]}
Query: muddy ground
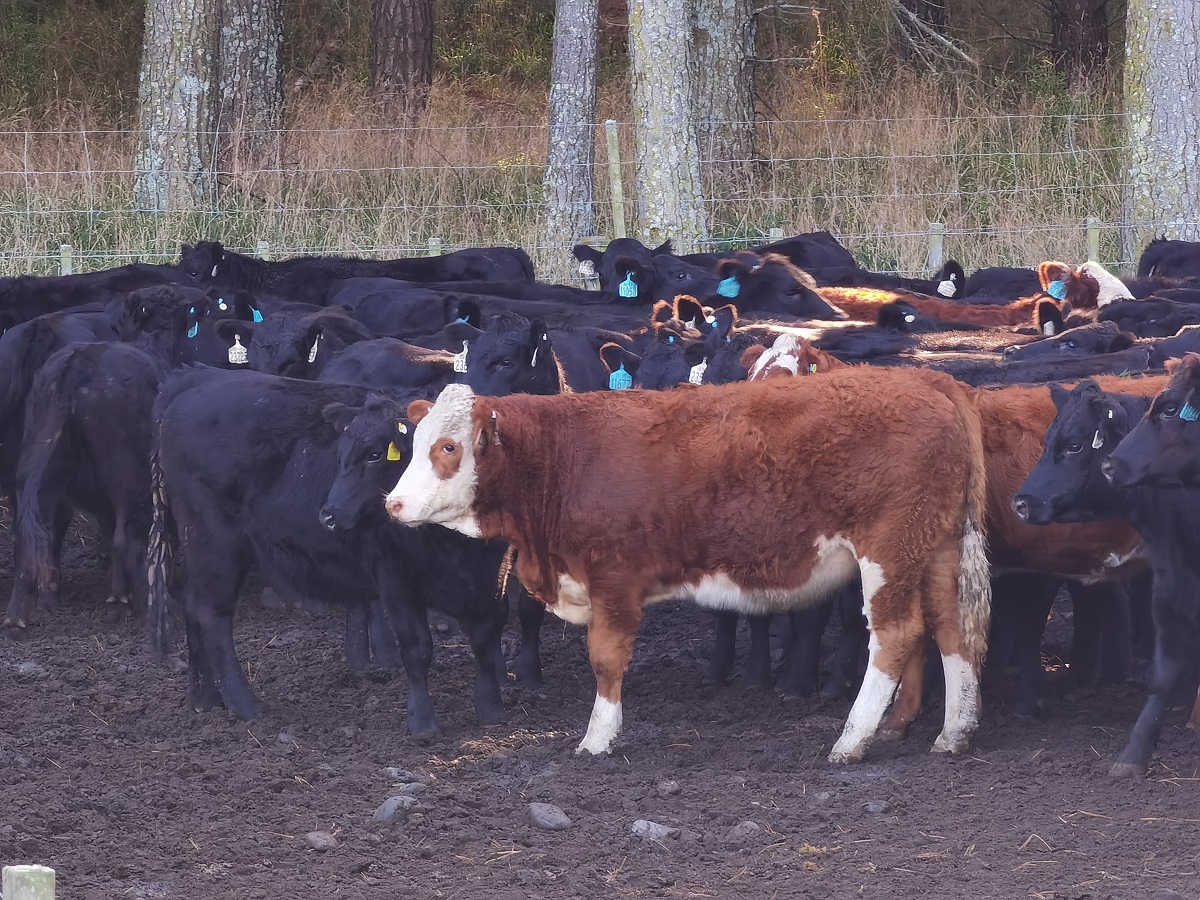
{"points": [[108, 777]]}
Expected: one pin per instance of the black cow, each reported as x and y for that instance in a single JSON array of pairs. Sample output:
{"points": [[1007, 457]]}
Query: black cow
{"points": [[1165, 258], [26, 296], [247, 462], [769, 284], [1000, 284], [1068, 485], [295, 346], [86, 445], [1163, 450], [308, 279], [1152, 317], [1087, 340]]}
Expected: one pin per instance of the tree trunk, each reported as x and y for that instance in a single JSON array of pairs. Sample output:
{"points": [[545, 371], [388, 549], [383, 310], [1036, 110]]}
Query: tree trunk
{"points": [[1162, 69], [1079, 37], [567, 187], [663, 70], [931, 14], [725, 33], [250, 84], [173, 165], [402, 53]]}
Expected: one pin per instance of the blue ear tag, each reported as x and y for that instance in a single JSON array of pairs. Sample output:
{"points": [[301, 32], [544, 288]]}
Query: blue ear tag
{"points": [[628, 288], [620, 380], [462, 319], [812, 368], [194, 330], [730, 287], [257, 316], [670, 338], [1057, 290], [1189, 413]]}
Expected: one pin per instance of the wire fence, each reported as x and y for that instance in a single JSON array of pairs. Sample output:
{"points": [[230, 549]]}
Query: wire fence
{"points": [[1007, 189]]}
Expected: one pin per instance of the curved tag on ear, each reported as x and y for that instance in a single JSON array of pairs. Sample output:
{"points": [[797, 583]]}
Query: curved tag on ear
{"points": [[460, 359], [620, 380], [237, 353], [393, 453], [1097, 441], [1057, 290], [696, 375], [256, 315], [194, 330], [312, 354], [213, 274], [947, 288], [729, 287], [628, 288]]}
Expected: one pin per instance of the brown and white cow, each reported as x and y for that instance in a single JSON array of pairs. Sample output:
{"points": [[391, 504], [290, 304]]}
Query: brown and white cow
{"points": [[863, 472]]}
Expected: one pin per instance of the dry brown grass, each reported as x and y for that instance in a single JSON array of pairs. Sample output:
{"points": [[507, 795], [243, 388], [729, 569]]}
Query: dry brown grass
{"points": [[1010, 188]]}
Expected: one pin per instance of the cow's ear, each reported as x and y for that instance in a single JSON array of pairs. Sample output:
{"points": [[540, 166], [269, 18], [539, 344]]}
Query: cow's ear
{"points": [[487, 431], [539, 334], [459, 333], [630, 277], [185, 248], [751, 355], [1059, 395], [1049, 318], [664, 247], [661, 312], [584, 253], [339, 415], [227, 328], [696, 352], [616, 359], [417, 410], [462, 310], [689, 311]]}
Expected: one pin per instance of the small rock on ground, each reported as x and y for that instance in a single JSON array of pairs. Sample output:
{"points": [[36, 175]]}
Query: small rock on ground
{"points": [[320, 840], [667, 788], [652, 831], [393, 808], [745, 834], [548, 816], [878, 807]]}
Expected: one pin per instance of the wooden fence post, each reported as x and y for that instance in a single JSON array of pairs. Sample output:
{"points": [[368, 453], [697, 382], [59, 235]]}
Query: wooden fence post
{"points": [[935, 259], [264, 250], [614, 178], [66, 263], [28, 883], [1093, 238], [775, 234], [435, 246]]}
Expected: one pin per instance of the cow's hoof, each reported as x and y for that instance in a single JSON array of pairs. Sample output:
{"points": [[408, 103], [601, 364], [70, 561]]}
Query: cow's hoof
{"points": [[844, 756], [954, 745], [1127, 771], [893, 734]]}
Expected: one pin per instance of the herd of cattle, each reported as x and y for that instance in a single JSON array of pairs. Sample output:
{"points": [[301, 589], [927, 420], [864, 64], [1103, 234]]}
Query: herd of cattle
{"points": [[957, 449]]}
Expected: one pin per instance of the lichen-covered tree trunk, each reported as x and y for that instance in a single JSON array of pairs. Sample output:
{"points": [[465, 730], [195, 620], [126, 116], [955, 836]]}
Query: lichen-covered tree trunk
{"points": [[402, 53], [250, 83], [662, 63], [725, 36], [1079, 37], [567, 202], [928, 13], [173, 163], [1162, 106]]}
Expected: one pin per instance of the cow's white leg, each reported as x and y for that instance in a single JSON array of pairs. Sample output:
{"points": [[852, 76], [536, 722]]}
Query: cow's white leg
{"points": [[614, 624], [962, 705], [869, 706], [603, 727]]}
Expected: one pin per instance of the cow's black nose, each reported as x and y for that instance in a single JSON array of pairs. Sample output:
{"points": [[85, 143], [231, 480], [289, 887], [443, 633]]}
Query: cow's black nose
{"points": [[328, 519]]}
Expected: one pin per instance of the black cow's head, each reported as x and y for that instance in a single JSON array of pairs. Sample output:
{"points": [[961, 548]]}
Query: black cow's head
{"points": [[510, 355], [1163, 449], [1087, 340], [374, 445], [771, 283], [300, 347], [202, 261], [1068, 484], [605, 264]]}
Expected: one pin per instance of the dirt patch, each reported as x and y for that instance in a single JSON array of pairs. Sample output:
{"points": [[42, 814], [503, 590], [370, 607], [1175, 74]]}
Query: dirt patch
{"points": [[108, 777]]}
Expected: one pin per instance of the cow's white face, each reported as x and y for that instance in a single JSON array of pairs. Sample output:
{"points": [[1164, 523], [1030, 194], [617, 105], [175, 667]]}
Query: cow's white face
{"points": [[439, 484]]}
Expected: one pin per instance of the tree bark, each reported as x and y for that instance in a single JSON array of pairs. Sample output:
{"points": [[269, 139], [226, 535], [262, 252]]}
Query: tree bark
{"points": [[402, 52], [725, 34], [930, 13], [1162, 106], [567, 199], [662, 63], [173, 163], [1079, 37], [250, 83]]}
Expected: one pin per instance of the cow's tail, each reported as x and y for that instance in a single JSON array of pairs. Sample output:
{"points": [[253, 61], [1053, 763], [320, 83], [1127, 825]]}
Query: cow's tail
{"points": [[158, 558], [974, 573]]}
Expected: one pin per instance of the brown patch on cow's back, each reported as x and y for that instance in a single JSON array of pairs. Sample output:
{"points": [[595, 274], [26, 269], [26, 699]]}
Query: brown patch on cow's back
{"points": [[863, 304]]}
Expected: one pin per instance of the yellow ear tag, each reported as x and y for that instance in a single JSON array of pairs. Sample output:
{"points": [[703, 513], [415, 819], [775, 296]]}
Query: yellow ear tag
{"points": [[393, 453]]}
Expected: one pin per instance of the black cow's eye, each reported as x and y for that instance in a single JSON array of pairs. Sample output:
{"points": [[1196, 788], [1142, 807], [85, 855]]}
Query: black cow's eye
{"points": [[375, 456], [1170, 409], [1069, 345], [505, 363], [1075, 448]]}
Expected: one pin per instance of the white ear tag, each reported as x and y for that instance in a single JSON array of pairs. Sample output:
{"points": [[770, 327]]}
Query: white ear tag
{"points": [[1097, 441], [946, 288], [909, 318], [1048, 329], [533, 361], [237, 353], [690, 323], [696, 375], [312, 354], [587, 268], [460, 359], [711, 320], [213, 274]]}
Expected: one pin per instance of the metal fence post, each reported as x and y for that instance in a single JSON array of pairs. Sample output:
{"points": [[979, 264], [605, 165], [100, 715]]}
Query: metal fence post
{"points": [[435, 246], [935, 259], [66, 263], [775, 234], [614, 178], [1093, 238], [28, 882], [264, 250]]}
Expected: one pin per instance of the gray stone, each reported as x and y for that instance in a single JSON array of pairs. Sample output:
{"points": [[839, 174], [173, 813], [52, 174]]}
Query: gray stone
{"points": [[745, 834], [652, 831], [411, 789], [548, 816], [397, 774], [29, 667], [320, 840], [877, 807], [393, 809], [667, 788]]}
